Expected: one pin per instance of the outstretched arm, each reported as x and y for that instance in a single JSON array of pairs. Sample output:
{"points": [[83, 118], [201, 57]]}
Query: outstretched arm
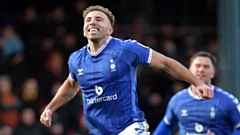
{"points": [[179, 71], [163, 129], [65, 93]]}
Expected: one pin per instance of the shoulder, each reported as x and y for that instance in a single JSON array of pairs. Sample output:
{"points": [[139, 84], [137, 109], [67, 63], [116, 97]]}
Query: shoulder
{"points": [[77, 54], [179, 95], [123, 41], [224, 95], [128, 44]]}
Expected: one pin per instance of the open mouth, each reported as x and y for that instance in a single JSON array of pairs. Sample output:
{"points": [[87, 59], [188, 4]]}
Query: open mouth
{"points": [[200, 76], [93, 30]]}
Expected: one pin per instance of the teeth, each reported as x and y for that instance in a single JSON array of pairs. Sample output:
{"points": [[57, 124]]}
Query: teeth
{"points": [[93, 30]]}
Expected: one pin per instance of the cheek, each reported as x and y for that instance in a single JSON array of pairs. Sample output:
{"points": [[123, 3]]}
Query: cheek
{"points": [[212, 75], [84, 27]]}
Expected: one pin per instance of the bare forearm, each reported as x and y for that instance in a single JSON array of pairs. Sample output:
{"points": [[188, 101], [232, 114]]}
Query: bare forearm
{"points": [[174, 68], [179, 71], [65, 93]]}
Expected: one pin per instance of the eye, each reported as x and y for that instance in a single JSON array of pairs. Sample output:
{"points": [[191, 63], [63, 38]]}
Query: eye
{"points": [[207, 66], [87, 20], [197, 65], [99, 19]]}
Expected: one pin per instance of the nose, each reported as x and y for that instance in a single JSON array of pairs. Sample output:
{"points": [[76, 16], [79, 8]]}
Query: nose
{"points": [[201, 68], [93, 21]]}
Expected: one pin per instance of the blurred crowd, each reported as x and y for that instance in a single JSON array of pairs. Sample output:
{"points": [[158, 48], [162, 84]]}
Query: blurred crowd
{"points": [[35, 47]]}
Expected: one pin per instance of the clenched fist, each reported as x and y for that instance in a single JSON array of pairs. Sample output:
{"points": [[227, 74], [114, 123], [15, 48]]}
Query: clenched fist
{"points": [[46, 117]]}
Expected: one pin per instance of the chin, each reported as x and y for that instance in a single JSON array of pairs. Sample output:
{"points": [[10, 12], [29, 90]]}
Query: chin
{"points": [[94, 39], [90, 37]]}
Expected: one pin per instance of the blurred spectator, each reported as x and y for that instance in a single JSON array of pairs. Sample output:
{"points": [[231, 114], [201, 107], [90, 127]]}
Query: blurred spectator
{"points": [[75, 22], [138, 30], [53, 19], [12, 43], [53, 72], [10, 105], [178, 85], [18, 69], [58, 14], [12, 55], [30, 29], [57, 128], [59, 34], [28, 124], [30, 94], [168, 45], [54, 65], [47, 45], [5, 130], [69, 45], [80, 128]]}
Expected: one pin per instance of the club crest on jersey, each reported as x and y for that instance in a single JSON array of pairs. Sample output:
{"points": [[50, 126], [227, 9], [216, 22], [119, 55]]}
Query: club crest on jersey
{"points": [[212, 113], [112, 64]]}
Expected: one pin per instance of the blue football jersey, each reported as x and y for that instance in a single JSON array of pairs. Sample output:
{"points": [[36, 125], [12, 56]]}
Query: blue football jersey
{"points": [[107, 80], [195, 116]]}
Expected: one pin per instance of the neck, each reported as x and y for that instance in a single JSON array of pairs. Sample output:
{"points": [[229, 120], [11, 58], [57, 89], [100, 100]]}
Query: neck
{"points": [[94, 45]]}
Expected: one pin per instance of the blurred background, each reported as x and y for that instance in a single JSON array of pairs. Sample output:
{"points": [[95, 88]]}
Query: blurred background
{"points": [[37, 37]]}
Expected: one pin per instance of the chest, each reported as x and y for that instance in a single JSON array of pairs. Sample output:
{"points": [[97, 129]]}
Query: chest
{"points": [[204, 112], [105, 69]]}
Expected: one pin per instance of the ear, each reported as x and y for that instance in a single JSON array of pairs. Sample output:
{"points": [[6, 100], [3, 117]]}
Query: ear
{"points": [[213, 74], [110, 31]]}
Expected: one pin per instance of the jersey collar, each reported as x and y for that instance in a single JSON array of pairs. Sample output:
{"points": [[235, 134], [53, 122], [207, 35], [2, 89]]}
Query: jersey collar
{"points": [[100, 49]]}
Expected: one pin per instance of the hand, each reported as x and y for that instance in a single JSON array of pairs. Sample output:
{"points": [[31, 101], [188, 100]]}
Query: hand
{"points": [[210, 133], [204, 91], [46, 117]]}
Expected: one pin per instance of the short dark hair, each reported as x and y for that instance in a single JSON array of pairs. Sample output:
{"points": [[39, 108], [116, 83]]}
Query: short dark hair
{"points": [[106, 11], [205, 54]]}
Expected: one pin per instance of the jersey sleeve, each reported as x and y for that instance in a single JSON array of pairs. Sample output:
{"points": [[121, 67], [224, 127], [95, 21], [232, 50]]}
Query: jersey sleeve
{"points": [[137, 53], [72, 69], [234, 113], [170, 117], [163, 129]]}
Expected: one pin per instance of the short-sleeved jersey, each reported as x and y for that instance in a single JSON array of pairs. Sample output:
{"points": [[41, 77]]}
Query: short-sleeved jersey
{"points": [[108, 83], [195, 116]]}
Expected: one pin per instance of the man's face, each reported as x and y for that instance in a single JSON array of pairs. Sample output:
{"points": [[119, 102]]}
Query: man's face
{"points": [[203, 68], [96, 26]]}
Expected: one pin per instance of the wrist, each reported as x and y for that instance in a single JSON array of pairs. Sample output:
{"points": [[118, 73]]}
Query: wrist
{"points": [[48, 110], [198, 83]]}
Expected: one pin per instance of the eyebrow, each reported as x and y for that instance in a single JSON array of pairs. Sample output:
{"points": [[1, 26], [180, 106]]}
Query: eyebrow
{"points": [[94, 17]]}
